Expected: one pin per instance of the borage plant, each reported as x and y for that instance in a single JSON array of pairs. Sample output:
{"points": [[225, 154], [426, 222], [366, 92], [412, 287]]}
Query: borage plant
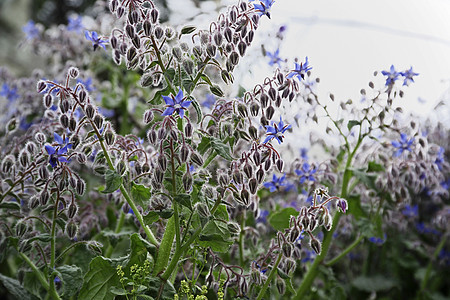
{"points": [[195, 201]]}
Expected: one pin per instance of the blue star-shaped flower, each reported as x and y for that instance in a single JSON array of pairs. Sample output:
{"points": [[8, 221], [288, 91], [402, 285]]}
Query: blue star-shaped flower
{"points": [[9, 93], [176, 104], [300, 70], [56, 153], [276, 131], [276, 183], [263, 8], [306, 172], [392, 75], [402, 145], [75, 24], [31, 30], [95, 39], [411, 211], [274, 58], [209, 101], [408, 74]]}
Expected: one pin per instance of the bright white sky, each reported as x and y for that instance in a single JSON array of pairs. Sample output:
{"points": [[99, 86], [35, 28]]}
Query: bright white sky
{"points": [[347, 40]]}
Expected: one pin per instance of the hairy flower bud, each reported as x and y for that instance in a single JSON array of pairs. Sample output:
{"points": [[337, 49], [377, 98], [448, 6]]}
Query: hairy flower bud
{"points": [[234, 58], [110, 137], [72, 124], [202, 210], [280, 165], [245, 197], [89, 111], [33, 202], [248, 170], [82, 95], [133, 17], [253, 186], [254, 109], [255, 276], [151, 135], [72, 210], [242, 47], [73, 72], [71, 229], [184, 153], [234, 228], [21, 228], [159, 32], [41, 86], [148, 116], [121, 167], [315, 245], [260, 175], [98, 121], [242, 109], [264, 99], [24, 158], [154, 14], [269, 112], [113, 5], [162, 162], [48, 100], [81, 187]]}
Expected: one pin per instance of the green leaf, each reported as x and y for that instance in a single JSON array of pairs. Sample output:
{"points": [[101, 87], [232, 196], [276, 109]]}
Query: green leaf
{"points": [[206, 79], [221, 149], [280, 220], [72, 280], [204, 145], [113, 181], [216, 90], [99, 280], [188, 29], [10, 205], [183, 199], [374, 283], [15, 288], [354, 206], [154, 285], [140, 194], [222, 213], [139, 249], [216, 235], [352, 123], [170, 74], [367, 178], [151, 217], [375, 167], [198, 110], [118, 291]]}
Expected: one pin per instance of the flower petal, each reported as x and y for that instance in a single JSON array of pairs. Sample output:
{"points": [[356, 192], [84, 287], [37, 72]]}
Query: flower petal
{"points": [[50, 149], [168, 100], [168, 112]]}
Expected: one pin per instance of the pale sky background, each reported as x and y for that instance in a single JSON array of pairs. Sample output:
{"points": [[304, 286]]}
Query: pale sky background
{"points": [[347, 40]]}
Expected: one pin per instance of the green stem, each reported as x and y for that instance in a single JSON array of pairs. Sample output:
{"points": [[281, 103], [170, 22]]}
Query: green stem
{"points": [[345, 252], [52, 288], [119, 226], [313, 270], [430, 266], [166, 245], [271, 275], [241, 240]]}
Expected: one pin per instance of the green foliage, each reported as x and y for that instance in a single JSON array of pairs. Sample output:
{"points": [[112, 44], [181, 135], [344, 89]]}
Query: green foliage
{"points": [[113, 181], [280, 219]]}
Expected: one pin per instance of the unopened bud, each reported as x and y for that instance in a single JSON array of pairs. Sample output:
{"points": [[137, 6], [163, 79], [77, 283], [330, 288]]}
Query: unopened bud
{"points": [[233, 228], [253, 186], [202, 210], [315, 245], [72, 210], [74, 72], [248, 170]]}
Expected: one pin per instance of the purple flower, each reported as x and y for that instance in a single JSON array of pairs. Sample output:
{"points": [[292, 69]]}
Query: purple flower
{"points": [[402, 145], [56, 153], [304, 153], [274, 57], [87, 84], [408, 74], [310, 255], [276, 131], [75, 24], [276, 183], [263, 7], [300, 70], [95, 39], [262, 218], [411, 211], [9, 93], [342, 205], [377, 241], [392, 76], [31, 30], [306, 173], [423, 229], [209, 101], [176, 104]]}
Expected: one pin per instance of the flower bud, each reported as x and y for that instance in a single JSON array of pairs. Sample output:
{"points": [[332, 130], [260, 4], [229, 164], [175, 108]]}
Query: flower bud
{"points": [[269, 112], [228, 34], [89, 111], [151, 135], [159, 175], [81, 187], [98, 121], [131, 54], [136, 41], [218, 38], [82, 95], [154, 14], [238, 177], [162, 133], [202, 210], [71, 229], [162, 161], [72, 124], [72, 210], [113, 5], [121, 167], [253, 186], [25, 246], [159, 32], [260, 175], [281, 286], [197, 159], [255, 276], [245, 197], [33, 202], [280, 165], [21, 228], [342, 205], [133, 17], [264, 99], [74, 72], [40, 137], [242, 109], [184, 153], [294, 234], [147, 28], [110, 137], [148, 116], [120, 12], [315, 245], [43, 197], [257, 158], [267, 164], [41, 86], [48, 100], [211, 50], [234, 58], [287, 249], [248, 170], [188, 130], [223, 179], [187, 181], [289, 265], [254, 109], [24, 158], [233, 228]]}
